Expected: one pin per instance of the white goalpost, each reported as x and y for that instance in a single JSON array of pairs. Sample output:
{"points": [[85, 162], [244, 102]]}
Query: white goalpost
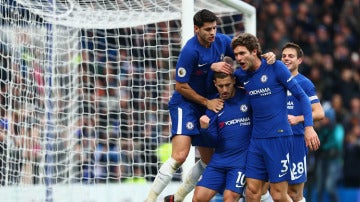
{"points": [[84, 92]]}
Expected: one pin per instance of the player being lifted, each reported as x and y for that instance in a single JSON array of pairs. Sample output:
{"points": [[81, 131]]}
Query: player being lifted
{"points": [[230, 131]]}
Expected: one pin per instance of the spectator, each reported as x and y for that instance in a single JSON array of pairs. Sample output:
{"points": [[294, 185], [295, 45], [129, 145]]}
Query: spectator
{"points": [[352, 158], [329, 157], [352, 145]]}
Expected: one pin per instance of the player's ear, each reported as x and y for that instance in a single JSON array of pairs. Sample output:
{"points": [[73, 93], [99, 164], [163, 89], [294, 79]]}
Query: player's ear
{"points": [[196, 29], [300, 60], [254, 52]]}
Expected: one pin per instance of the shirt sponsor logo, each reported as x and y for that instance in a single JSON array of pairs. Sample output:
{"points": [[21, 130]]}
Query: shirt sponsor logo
{"points": [[241, 121], [288, 93], [290, 105], [261, 92]]}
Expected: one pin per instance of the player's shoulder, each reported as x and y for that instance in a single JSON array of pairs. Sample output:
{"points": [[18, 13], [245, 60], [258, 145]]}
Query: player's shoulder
{"points": [[278, 63], [302, 78], [241, 96], [239, 72], [240, 91], [192, 42], [222, 37], [191, 46], [278, 66]]}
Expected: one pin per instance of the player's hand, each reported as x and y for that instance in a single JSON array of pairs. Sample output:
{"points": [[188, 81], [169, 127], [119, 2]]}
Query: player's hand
{"points": [[215, 104], [293, 120], [311, 138], [222, 67], [204, 121], [270, 57]]}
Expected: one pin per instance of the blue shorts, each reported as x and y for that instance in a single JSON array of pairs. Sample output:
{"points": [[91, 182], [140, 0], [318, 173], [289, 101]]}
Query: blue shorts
{"points": [[220, 179], [185, 121], [268, 159], [298, 158]]}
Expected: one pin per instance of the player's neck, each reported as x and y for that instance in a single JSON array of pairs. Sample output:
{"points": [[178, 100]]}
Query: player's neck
{"points": [[294, 73], [203, 42], [257, 64]]}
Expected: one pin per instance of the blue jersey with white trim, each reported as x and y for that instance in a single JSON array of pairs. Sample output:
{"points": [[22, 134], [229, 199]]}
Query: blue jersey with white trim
{"points": [[267, 90], [193, 66], [294, 106], [231, 130]]}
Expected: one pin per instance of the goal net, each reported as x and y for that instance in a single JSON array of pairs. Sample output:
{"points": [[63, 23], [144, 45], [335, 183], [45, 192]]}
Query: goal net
{"points": [[84, 92]]}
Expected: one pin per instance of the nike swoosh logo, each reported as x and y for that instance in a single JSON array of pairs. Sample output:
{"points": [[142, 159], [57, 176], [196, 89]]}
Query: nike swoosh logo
{"points": [[281, 175], [295, 177], [200, 65], [220, 113], [246, 82]]}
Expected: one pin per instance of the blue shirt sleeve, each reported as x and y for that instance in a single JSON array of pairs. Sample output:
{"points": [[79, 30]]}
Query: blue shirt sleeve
{"points": [[185, 64], [291, 84]]}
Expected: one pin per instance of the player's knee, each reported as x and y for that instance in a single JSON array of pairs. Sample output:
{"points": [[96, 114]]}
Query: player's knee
{"points": [[197, 198], [252, 192], [231, 197], [180, 157], [206, 154], [294, 194], [277, 195]]}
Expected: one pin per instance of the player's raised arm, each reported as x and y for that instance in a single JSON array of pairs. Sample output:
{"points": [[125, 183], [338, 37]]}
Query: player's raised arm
{"points": [[222, 66], [212, 104], [270, 57]]}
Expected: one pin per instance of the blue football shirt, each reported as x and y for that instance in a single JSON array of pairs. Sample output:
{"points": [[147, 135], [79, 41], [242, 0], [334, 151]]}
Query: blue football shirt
{"points": [[294, 106], [230, 129], [193, 66], [267, 90]]}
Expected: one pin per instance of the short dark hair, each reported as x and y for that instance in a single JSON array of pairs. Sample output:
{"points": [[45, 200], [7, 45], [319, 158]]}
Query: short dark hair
{"points": [[221, 75], [299, 51], [249, 41], [203, 16]]}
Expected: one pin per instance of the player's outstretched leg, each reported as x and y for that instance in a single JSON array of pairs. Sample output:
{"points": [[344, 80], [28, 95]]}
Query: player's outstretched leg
{"points": [[162, 179], [188, 184]]}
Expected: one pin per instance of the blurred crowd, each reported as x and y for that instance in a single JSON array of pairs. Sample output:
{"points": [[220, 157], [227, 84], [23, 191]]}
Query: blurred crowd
{"points": [[123, 121], [329, 33]]}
